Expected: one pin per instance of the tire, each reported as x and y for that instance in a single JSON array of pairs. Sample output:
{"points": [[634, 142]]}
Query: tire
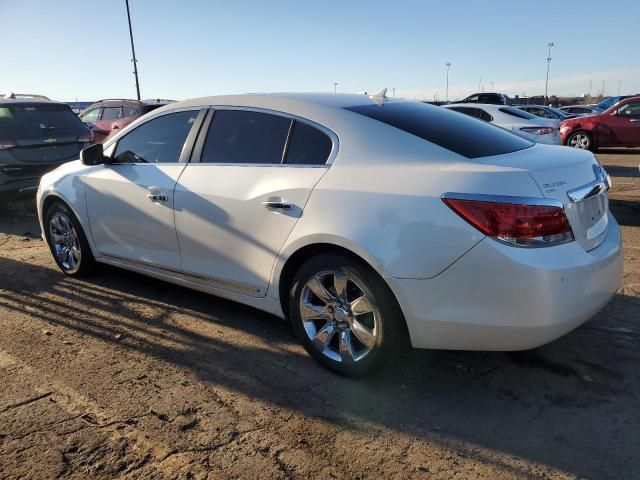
{"points": [[580, 139], [345, 315], [67, 241]]}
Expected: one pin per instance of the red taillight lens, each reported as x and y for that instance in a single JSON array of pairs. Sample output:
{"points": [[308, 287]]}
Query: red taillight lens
{"points": [[537, 130], [6, 144], [518, 224]]}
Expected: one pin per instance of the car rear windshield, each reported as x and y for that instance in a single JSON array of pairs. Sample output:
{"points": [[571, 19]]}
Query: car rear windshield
{"points": [[516, 112], [458, 133], [39, 122]]}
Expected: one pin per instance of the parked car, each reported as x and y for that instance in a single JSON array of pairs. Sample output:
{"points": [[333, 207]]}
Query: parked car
{"points": [[609, 102], [368, 222], [107, 117], [36, 136], [487, 98], [619, 126], [545, 112], [526, 125], [580, 110]]}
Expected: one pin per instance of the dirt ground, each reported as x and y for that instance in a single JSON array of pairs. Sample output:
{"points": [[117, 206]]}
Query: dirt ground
{"points": [[122, 376]]}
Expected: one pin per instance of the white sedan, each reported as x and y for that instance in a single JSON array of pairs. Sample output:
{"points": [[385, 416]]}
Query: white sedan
{"points": [[370, 223], [524, 124]]}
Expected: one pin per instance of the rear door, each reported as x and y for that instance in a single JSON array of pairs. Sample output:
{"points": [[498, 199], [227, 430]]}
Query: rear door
{"points": [[244, 190], [130, 202]]}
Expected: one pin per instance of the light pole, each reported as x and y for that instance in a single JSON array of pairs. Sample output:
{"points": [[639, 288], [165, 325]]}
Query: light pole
{"points": [[133, 51], [446, 97], [335, 87], [546, 86]]}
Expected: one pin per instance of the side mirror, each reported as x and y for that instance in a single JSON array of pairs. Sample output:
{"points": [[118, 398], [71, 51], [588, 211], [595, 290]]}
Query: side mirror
{"points": [[92, 155]]}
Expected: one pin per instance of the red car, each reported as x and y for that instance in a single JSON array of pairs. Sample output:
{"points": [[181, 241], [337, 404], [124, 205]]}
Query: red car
{"points": [[618, 126], [107, 117]]}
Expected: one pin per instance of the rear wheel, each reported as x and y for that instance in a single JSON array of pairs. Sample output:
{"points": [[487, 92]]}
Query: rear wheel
{"points": [[345, 315], [580, 139], [67, 241]]}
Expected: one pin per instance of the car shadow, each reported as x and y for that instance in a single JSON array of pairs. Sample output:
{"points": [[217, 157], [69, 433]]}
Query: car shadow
{"points": [[578, 394], [622, 171], [626, 212]]}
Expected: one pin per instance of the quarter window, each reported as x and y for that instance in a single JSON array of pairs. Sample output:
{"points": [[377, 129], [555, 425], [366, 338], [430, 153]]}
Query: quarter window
{"points": [[308, 146], [157, 141], [239, 136]]}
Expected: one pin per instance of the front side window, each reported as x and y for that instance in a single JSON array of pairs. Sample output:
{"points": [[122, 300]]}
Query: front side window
{"points": [[457, 133], [91, 116], [630, 110], [128, 111], [308, 146], [239, 136], [111, 113], [157, 141]]}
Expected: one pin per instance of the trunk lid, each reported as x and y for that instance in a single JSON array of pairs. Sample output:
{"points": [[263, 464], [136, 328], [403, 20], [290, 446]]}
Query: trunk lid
{"points": [[574, 178]]}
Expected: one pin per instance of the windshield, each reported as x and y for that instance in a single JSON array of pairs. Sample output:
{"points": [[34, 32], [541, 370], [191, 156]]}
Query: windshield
{"points": [[452, 130], [39, 122]]}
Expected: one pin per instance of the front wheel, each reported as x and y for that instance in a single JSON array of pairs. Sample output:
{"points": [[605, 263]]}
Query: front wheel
{"points": [[345, 315], [581, 140], [67, 241]]}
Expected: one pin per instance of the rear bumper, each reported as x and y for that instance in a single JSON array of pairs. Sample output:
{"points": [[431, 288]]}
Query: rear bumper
{"points": [[499, 297]]}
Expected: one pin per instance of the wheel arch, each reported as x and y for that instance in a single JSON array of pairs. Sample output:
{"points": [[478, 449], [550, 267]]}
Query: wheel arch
{"points": [[49, 199], [293, 261]]}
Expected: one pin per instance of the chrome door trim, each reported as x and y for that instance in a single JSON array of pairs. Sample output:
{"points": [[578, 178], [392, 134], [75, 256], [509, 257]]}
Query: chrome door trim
{"points": [[192, 277]]}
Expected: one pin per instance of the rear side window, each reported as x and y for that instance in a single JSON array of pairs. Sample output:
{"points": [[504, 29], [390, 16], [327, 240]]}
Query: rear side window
{"points": [[458, 133], [157, 141], [516, 112], [39, 122], [238, 136], [308, 146]]}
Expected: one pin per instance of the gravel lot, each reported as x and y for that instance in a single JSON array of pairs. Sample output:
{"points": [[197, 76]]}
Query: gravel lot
{"points": [[122, 376]]}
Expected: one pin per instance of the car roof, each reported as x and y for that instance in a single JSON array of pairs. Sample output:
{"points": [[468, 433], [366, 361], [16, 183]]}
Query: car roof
{"points": [[28, 101], [284, 100]]}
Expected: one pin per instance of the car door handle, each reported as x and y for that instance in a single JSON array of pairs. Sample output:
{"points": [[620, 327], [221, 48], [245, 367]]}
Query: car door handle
{"points": [[278, 205], [156, 197]]}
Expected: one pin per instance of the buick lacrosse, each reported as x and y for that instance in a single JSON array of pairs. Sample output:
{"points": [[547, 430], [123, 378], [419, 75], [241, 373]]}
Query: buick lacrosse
{"points": [[372, 224]]}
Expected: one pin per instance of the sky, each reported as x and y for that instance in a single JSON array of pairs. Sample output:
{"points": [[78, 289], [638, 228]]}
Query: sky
{"points": [[79, 49]]}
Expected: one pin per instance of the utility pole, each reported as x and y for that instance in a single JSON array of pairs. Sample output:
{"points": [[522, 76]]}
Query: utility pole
{"points": [[491, 87], [619, 83], [335, 87], [590, 88], [394, 92], [603, 88], [546, 86], [480, 82], [448, 64], [133, 51]]}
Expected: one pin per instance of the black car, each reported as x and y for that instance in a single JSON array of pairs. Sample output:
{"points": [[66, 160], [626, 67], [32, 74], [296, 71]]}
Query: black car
{"points": [[36, 136], [492, 98]]}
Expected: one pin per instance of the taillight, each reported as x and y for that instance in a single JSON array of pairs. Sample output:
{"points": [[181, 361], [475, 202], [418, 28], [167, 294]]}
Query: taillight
{"points": [[538, 130], [514, 223], [6, 144]]}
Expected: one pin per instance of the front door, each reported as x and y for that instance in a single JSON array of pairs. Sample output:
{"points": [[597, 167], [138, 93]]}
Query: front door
{"points": [[237, 205], [626, 125], [130, 201]]}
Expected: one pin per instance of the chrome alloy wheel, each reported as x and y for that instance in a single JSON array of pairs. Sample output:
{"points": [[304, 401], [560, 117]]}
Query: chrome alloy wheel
{"points": [[64, 241], [580, 140], [339, 316]]}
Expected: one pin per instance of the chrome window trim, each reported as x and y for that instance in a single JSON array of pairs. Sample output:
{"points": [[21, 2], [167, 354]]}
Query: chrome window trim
{"points": [[513, 200], [335, 142]]}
